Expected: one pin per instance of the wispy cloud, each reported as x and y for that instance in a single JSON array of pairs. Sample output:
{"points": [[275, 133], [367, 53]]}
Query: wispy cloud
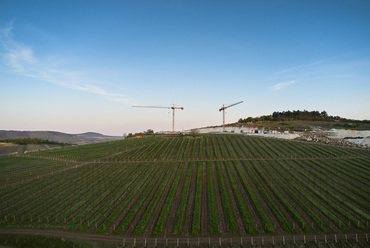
{"points": [[20, 59], [281, 85], [294, 68]]}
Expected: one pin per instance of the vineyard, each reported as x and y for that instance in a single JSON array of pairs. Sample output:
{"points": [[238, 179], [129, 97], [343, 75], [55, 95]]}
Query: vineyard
{"points": [[190, 186]]}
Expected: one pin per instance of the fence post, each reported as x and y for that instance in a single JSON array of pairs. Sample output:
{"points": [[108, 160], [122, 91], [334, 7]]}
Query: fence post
{"points": [[219, 241], [304, 239], [335, 237]]}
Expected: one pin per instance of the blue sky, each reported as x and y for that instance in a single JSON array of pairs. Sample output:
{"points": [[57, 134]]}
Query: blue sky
{"points": [[77, 66]]}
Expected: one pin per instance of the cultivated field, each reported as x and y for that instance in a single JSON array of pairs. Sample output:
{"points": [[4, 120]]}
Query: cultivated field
{"points": [[209, 186]]}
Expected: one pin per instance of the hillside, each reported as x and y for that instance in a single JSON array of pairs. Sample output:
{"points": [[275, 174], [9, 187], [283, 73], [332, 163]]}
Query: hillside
{"points": [[201, 186], [78, 139], [301, 121], [91, 134]]}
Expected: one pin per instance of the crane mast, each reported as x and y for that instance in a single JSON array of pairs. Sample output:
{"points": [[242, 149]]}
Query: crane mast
{"points": [[223, 112], [173, 112]]}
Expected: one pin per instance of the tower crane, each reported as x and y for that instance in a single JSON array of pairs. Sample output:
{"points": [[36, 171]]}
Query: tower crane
{"points": [[173, 112], [223, 114]]}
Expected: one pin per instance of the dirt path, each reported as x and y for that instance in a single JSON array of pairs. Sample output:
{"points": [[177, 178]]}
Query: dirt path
{"points": [[346, 240]]}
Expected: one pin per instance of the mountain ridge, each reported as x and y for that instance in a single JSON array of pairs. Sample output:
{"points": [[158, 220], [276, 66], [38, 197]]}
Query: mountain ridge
{"points": [[78, 139]]}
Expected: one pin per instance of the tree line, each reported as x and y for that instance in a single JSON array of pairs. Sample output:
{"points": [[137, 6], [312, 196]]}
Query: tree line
{"points": [[297, 115], [25, 141]]}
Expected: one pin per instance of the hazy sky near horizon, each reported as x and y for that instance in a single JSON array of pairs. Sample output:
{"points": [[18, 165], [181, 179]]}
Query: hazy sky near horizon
{"points": [[78, 66]]}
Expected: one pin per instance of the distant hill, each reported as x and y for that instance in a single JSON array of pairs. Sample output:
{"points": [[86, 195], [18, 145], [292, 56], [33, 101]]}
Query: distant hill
{"points": [[297, 120], [79, 139], [91, 134]]}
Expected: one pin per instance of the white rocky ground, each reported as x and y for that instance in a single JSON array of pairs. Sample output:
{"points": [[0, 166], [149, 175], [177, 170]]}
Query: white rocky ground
{"points": [[334, 136], [354, 136]]}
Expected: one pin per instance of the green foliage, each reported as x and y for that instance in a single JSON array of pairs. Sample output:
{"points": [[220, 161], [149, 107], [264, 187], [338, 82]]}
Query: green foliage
{"points": [[301, 121], [149, 131], [180, 213], [282, 199], [241, 204], [225, 199], [153, 203], [212, 213], [169, 199], [195, 225], [137, 205], [294, 115], [37, 241], [95, 151], [26, 141], [256, 203], [284, 183], [277, 212]]}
